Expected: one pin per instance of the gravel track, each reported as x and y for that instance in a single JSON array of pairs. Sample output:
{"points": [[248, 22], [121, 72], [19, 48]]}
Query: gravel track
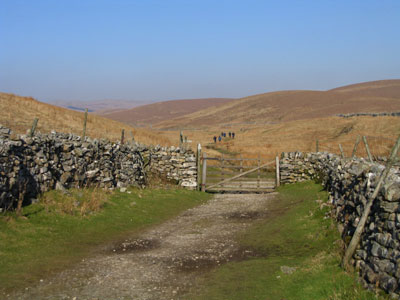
{"points": [[164, 261]]}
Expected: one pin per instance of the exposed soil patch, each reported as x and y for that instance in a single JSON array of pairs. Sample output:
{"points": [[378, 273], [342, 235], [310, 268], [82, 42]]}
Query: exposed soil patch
{"points": [[163, 262], [205, 261]]}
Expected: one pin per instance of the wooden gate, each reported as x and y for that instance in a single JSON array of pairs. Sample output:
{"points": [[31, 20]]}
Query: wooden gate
{"points": [[239, 175]]}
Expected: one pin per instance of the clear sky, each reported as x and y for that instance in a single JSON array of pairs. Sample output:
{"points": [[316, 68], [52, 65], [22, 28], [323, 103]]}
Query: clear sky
{"points": [[171, 49]]}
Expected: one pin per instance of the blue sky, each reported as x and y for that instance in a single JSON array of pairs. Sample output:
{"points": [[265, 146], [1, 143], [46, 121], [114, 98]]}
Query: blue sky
{"points": [[171, 49]]}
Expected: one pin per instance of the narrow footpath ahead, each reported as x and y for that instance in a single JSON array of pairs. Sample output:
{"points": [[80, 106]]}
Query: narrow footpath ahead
{"points": [[165, 260]]}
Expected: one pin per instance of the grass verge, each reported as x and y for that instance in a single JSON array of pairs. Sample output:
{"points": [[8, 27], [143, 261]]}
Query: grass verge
{"points": [[61, 230], [298, 256]]}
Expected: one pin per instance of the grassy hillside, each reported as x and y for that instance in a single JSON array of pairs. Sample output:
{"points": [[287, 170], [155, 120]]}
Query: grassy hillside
{"points": [[18, 113], [265, 124], [271, 140], [286, 106], [386, 88], [268, 124], [157, 112]]}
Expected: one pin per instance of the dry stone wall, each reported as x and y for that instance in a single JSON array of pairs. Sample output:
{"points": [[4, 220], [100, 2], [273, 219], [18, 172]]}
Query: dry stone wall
{"points": [[350, 182], [175, 164], [381, 114], [32, 165]]}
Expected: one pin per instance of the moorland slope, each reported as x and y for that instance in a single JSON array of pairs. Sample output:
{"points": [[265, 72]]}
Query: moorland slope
{"points": [[286, 106], [271, 123], [18, 113], [150, 114]]}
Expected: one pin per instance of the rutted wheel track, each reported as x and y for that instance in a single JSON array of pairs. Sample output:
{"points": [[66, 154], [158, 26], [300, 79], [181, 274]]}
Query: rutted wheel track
{"points": [[164, 261]]}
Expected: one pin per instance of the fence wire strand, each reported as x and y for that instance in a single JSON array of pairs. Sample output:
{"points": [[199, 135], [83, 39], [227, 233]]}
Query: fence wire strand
{"points": [[379, 146]]}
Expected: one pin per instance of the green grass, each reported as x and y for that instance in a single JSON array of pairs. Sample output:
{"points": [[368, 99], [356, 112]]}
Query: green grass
{"points": [[295, 234], [54, 234]]}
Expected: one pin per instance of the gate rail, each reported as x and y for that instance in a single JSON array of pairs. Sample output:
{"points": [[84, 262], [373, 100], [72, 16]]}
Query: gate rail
{"points": [[238, 182]]}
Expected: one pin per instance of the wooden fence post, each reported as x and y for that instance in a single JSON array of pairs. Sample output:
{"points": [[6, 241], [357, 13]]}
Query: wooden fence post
{"points": [[277, 177], [355, 240], [33, 128], [241, 169], [222, 165], [367, 148], [198, 159], [204, 174], [180, 139], [84, 123], [258, 171], [317, 146], [355, 146], [341, 150], [122, 136]]}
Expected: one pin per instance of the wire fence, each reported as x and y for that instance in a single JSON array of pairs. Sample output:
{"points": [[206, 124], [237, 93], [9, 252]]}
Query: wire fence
{"points": [[378, 146]]}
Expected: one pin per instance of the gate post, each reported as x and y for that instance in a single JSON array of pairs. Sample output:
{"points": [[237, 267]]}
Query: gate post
{"points": [[204, 175], [277, 178], [222, 168], [258, 171], [198, 159], [241, 169]]}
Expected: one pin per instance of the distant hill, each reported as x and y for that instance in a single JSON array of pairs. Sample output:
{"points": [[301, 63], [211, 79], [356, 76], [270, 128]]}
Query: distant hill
{"points": [[100, 106], [157, 112], [387, 88], [79, 108], [18, 113], [285, 106]]}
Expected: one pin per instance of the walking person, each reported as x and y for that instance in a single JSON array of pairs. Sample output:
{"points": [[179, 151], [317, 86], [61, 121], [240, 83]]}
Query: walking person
{"points": [[233, 135], [219, 139], [230, 134], [215, 139]]}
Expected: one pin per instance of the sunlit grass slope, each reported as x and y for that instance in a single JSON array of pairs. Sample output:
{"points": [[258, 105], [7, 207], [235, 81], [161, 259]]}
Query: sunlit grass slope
{"points": [[269, 141], [286, 106], [18, 114]]}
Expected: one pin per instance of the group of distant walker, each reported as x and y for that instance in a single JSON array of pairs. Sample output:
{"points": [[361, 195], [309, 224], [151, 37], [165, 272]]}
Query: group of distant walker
{"points": [[223, 134]]}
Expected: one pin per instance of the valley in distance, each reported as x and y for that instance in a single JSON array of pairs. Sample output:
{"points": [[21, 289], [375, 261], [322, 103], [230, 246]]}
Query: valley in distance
{"points": [[265, 124]]}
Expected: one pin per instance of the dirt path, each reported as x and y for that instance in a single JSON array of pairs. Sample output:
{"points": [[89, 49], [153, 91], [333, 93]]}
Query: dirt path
{"points": [[164, 261]]}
